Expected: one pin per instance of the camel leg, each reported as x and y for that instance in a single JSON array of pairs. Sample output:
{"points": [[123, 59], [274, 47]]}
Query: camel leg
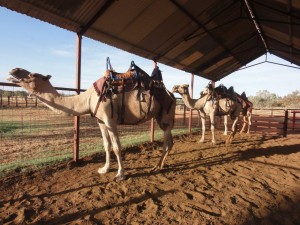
{"points": [[244, 124], [107, 147], [168, 144], [249, 115], [225, 125], [212, 127], [202, 114], [234, 130], [116, 145]]}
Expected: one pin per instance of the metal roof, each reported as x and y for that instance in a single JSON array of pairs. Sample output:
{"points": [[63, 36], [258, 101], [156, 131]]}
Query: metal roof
{"points": [[209, 38]]}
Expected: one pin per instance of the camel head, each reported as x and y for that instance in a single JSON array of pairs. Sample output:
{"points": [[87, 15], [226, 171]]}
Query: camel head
{"points": [[32, 82], [181, 89]]}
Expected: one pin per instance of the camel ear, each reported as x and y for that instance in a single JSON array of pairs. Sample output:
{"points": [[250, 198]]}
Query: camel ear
{"points": [[47, 77]]}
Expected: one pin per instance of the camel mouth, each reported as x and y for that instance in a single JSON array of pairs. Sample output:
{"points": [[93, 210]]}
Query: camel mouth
{"points": [[17, 75]]}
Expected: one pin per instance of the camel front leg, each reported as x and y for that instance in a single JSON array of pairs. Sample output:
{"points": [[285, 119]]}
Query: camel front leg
{"points": [[107, 147], [234, 130], [225, 125], [168, 144], [202, 115], [116, 145], [212, 127], [244, 124]]}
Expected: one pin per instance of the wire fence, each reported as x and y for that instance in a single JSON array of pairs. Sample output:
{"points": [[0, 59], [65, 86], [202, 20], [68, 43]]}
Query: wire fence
{"points": [[32, 135]]}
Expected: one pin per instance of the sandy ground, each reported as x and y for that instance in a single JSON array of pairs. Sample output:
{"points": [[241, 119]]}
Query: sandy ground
{"points": [[256, 180]]}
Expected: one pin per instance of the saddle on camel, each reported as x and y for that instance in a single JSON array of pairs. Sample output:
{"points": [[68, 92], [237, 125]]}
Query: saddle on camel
{"points": [[223, 92], [134, 78]]}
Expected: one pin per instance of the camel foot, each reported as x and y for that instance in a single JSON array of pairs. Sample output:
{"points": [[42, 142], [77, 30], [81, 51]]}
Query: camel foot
{"points": [[119, 178], [103, 170], [201, 141], [228, 140], [155, 169]]}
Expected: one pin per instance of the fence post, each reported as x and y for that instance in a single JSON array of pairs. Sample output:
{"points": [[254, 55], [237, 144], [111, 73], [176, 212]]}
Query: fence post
{"points": [[285, 123], [152, 131], [1, 100], [191, 111], [78, 78], [294, 120], [8, 100], [184, 115]]}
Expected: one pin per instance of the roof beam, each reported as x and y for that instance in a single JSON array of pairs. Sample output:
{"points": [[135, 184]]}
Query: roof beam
{"points": [[273, 9], [256, 24], [290, 30], [100, 12], [200, 25]]}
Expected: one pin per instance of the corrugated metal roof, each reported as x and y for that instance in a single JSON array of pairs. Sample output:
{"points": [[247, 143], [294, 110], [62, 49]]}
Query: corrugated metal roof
{"points": [[208, 38]]}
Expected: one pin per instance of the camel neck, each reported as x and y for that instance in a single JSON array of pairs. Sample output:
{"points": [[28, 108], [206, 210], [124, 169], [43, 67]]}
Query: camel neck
{"points": [[193, 103], [67, 105]]}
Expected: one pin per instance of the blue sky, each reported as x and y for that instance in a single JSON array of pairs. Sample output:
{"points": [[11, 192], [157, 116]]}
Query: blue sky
{"points": [[41, 47]]}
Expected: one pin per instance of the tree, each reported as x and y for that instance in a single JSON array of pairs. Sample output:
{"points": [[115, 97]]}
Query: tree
{"points": [[265, 99], [292, 100]]}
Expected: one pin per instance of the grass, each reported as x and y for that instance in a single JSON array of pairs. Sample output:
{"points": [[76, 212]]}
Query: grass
{"points": [[47, 157]]}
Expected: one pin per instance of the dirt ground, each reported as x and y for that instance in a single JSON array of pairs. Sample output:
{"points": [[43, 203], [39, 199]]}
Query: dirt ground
{"points": [[256, 180]]}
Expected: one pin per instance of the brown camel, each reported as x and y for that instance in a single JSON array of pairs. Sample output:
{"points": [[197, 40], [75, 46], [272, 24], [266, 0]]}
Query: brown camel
{"points": [[246, 113], [207, 104], [108, 112]]}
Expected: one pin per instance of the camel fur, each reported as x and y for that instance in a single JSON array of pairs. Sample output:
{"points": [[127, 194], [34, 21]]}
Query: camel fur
{"points": [[107, 114]]}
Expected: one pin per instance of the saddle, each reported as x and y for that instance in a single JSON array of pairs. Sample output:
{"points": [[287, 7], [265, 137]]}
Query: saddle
{"points": [[224, 92], [134, 78]]}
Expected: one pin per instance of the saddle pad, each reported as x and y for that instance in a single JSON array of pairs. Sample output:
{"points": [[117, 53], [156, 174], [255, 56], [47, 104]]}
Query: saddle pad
{"points": [[99, 85]]}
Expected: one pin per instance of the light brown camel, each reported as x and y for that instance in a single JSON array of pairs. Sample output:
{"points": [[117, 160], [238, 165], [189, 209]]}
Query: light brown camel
{"points": [[107, 113], [246, 113], [209, 105], [204, 105]]}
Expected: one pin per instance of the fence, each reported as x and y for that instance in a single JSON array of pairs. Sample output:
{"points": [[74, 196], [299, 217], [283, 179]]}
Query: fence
{"points": [[31, 135]]}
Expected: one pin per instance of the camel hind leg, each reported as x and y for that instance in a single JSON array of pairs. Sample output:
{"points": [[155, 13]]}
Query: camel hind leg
{"points": [[225, 125], [166, 122], [167, 146]]}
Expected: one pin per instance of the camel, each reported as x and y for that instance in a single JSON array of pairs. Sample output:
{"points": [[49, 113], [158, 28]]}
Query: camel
{"points": [[207, 104], [107, 112], [246, 112]]}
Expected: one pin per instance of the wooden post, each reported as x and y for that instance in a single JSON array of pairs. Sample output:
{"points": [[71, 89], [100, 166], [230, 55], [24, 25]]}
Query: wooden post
{"points": [[184, 114], [78, 77], [191, 111], [152, 131], [294, 119], [285, 123]]}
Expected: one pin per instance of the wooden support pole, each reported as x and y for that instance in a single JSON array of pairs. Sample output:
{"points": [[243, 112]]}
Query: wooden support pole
{"points": [[78, 77], [152, 131], [285, 123], [191, 111]]}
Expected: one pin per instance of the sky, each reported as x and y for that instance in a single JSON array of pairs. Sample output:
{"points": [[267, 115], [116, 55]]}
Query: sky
{"points": [[40, 47]]}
